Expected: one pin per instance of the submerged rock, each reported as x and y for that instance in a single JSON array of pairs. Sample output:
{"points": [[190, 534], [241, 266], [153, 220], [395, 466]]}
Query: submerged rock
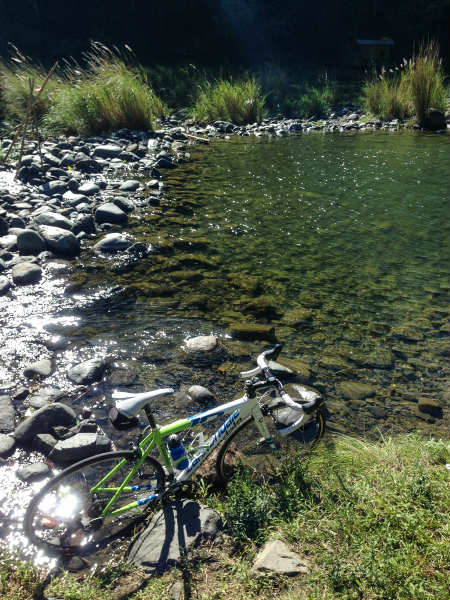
{"points": [[60, 240], [201, 343], [354, 390], [113, 242], [88, 371], [253, 331]]}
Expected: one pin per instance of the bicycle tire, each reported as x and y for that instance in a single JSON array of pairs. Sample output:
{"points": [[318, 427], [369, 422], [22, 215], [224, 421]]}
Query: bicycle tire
{"points": [[247, 449], [53, 518]]}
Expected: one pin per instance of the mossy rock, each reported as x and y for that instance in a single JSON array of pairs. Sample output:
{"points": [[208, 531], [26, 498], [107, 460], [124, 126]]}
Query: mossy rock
{"points": [[354, 390], [253, 331], [382, 359], [291, 368], [192, 260], [196, 301], [407, 334], [185, 275], [297, 316], [192, 244], [247, 283], [310, 300], [333, 363], [430, 407], [263, 307], [153, 289]]}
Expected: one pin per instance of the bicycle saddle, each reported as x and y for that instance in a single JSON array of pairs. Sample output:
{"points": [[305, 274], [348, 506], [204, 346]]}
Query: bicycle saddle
{"points": [[130, 404]]}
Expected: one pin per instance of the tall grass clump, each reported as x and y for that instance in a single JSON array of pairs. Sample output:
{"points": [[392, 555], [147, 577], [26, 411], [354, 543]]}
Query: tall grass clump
{"points": [[386, 97], [318, 100], [17, 75], [424, 80], [240, 102], [104, 95]]}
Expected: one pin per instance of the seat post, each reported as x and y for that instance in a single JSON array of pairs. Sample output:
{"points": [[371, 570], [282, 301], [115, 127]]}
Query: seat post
{"points": [[150, 416]]}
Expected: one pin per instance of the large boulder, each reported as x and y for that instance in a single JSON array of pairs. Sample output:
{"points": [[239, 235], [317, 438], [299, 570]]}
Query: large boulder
{"points": [[78, 447], [172, 531], [43, 421], [110, 213], [53, 219], [60, 240], [30, 242], [88, 371], [26, 273]]}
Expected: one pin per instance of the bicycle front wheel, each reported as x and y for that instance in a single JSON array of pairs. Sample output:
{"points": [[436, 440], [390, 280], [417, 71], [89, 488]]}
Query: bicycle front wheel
{"points": [[64, 517], [246, 449]]}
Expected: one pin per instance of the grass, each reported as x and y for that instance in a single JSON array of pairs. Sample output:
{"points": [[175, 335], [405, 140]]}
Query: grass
{"points": [[370, 518], [318, 100], [239, 102], [413, 89]]}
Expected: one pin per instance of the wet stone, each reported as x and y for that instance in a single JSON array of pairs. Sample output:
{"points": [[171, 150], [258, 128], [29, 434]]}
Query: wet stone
{"points": [[88, 371], [79, 446], [5, 285], [30, 242], [201, 343], [130, 185], [110, 213], [26, 273], [430, 407], [33, 472], [354, 390], [252, 331], [41, 368], [198, 393], [43, 420], [60, 240], [7, 444]]}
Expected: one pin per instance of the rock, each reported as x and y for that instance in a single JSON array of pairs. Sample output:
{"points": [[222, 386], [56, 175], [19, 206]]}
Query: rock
{"points": [[129, 186], [253, 331], [110, 213], [171, 532], [60, 240], [201, 343], [113, 242], [33, 472], [291, 368], [8, 242], [435, 120], [198, 393], [124, 204], [430, 407], [353, 390], [78, 447], [53, 187], [88, 371], [44, 442], [43, 420], [30, 242], [88, 188], [54, 220], [21, 393], [5, 284], [7, 414], [41, 368], [7, 443], [276, 557], [3, 227], [107, 151], [74, 199], [26, 273]]}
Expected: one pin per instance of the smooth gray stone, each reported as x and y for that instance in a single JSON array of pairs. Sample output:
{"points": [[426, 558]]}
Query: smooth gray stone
{"points": [[60, 240], [5, 285], [44, 396], [276, 557], [53, 219], [172, 531], [33, 472], [88, 371], [113, 242], [53, 187], [130, 185], [7, 443], [198, 393], [74, 199], [8, 241], [124, 204], [79, 446], [88, 189], [41, 368], [26, 273], [7, 414], [43, 420], [84, 222], [44, 442], [110, 213], [30, 242], [107, 151], [201, 343]]}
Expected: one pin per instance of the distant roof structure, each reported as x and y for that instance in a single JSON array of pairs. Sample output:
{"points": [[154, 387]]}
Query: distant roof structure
{"points": [[375, 42]]}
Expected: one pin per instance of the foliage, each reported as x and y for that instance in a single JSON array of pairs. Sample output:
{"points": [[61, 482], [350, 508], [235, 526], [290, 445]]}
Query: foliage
{"points": [[318, 100], [385, 97], [18, 579], [240, 102], [107, 94]]}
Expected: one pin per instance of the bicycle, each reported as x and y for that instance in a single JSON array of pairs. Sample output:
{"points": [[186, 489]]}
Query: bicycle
{"points": [[90, 502]]}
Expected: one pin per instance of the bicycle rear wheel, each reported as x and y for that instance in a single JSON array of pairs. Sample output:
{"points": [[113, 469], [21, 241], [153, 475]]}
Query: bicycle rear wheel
{"points": [[60, 517], [246, 449]]}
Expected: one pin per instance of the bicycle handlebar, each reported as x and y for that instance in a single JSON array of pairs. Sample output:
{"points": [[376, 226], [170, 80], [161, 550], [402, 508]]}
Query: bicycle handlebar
{"points": [[270, 379]]}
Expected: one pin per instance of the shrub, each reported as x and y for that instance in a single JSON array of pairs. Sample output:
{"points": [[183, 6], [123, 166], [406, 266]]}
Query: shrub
{"points": [[105, 95], [386, 97], [240, 102], [318, 100]]}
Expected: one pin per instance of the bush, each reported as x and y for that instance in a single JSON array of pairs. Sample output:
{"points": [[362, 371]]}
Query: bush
{"points": [[105, 95], [318, 100], [386, 97], [241, 102]]}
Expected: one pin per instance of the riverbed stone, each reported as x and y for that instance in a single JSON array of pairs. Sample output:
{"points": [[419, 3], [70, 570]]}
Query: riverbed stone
{"points": [[130, 185], [41, 368], [8, 242], [354, 390], [253, 331], [33, 472], [276, 557], [113, 242], [7, 443], [5, 285], [7, 414], [110, 213], [291, 368], [78, 447], [44, 442], [53, 187], [26, 273], [172, 531], [89, 188], [430, 407], [30, 242], [107, 151], [43, 420], [53, 219], [198, 393], [60, 240], [201, 343], [88, 371]]}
